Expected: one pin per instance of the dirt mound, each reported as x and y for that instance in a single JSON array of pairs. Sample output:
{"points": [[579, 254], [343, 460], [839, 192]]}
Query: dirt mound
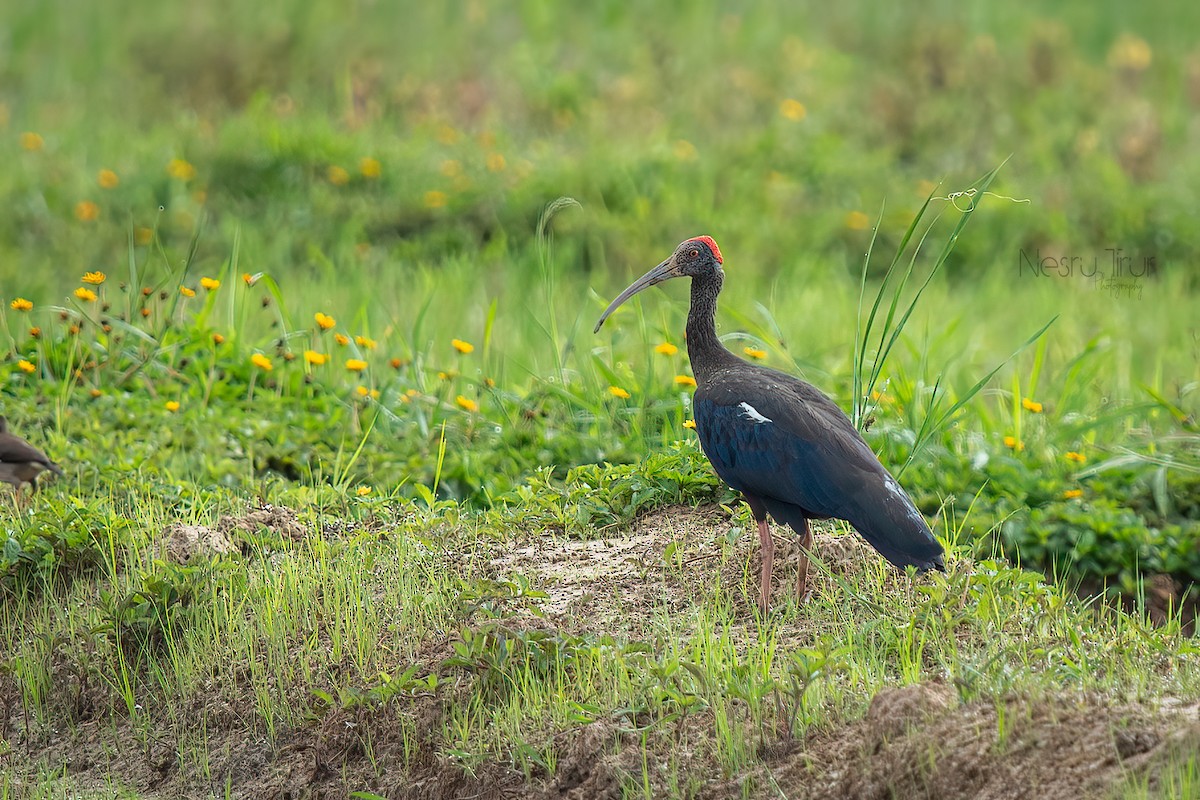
{"points": [[919, 742], [280, 520], [182, 543], [668, 560]]}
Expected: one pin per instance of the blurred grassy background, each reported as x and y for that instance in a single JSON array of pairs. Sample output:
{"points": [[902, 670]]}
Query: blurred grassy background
{"points": [[775, 130]]}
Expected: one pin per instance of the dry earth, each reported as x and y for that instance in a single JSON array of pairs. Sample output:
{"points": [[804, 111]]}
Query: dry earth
{"points": [[914, 742]]}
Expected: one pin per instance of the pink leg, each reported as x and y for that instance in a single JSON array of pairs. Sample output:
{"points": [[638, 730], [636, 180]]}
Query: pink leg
{"points": [[768, 564], [802, 591]]}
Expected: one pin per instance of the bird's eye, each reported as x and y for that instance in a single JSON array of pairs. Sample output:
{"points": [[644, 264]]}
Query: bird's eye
{"points": [[694, 254]]}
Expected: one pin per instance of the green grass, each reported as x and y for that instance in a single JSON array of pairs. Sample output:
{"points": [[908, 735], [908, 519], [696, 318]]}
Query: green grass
{"points": [[405, 174]]}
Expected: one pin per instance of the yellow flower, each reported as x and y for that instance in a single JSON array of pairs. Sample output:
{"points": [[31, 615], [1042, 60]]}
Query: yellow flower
{"points": [[172, 406], [94, 392], [94, 278], [356, 365], [755, 353], [1078, 458], [445, 376], [143, 236], [370, 167], [107, 179], [180, 170], [1131, 53], [1031, 406], [466, 403], [1071, 494], [793, 110], [337, 176], [249, 279], [666, 349], [685, 380], [461, 346], [341, 339], [145, 312], [617, 391], [451, 168], [218, 338], [1012, 444], [262, 362], [324, 321], [435, 199], [21, 304], [187, 291], [35, 332], [495, 162], [397, 363], [25, 366], [32, 141], [85, 294], [363, 491], [689, 423], [857, 221], [685, 150], [362, 391], [365, 341], [315, 358], [210, 283], [87, 211]]}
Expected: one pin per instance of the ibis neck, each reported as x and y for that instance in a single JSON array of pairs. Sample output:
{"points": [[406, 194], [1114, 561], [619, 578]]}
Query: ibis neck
{"points": [[705, 350]]}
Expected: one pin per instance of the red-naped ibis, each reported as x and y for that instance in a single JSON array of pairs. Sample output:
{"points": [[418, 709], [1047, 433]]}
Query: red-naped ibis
{"points": [[789, 449], [21, 462]]}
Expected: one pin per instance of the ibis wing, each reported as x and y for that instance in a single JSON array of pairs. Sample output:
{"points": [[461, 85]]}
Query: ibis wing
{"points": [[793, 445], [794, 458]]}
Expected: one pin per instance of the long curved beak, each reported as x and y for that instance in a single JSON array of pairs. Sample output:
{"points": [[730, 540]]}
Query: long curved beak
{"points": [[664, 271]]}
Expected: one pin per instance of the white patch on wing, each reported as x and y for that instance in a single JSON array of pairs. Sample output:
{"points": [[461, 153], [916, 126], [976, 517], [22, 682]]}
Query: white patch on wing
{"points": [[751, 413], [911, 510]]}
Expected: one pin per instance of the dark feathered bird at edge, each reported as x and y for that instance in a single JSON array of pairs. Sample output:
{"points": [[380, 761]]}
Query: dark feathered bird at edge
{"points": [[21, 462], [789, 449]]}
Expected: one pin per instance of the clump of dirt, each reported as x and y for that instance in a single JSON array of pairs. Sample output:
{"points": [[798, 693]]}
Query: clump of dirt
{"points": [[592, 766], [183, 543], [280, 520], [893, 712]]}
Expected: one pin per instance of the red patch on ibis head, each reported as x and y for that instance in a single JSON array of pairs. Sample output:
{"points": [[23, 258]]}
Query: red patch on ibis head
{"points": [[712, 245]]}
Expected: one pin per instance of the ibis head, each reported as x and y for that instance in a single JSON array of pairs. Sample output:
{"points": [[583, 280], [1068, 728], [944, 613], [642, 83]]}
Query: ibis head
{"points": [[698, 257]]}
